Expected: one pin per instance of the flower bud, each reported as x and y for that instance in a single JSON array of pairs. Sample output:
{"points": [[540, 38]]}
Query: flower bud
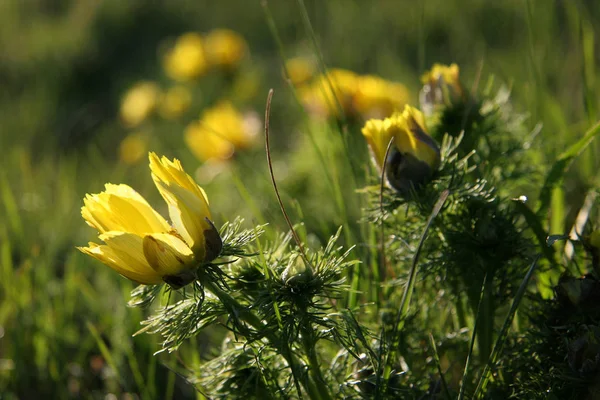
{"points": [[414, 156]]}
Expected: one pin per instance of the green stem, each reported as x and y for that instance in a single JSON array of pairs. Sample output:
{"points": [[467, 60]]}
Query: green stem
{"points": [[313, 363], [486, 321], [242, 313]]}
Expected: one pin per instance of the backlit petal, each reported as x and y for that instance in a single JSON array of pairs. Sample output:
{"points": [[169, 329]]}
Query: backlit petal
{"points": [[167, 254], [120, 208], [108, 256], [187, 215]]}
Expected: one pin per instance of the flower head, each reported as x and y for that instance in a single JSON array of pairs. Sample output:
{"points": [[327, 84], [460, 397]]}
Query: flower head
{"points": [[138, 241], [224, 48], [186, 60], [377, 98], [329, 92], [139, 102], [300, 70], [414, 155], [220, 131], [441, 85]]}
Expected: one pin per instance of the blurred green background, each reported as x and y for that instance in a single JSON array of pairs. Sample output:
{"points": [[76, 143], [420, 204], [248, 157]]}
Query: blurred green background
{"points": [[65, 329]]}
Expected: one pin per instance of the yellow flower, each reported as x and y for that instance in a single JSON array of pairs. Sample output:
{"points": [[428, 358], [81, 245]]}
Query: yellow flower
{"points": [[139, 243], [449, 74], [224, 48], [139, 102], [133, 148], [220, 131], [299, 70], [377, 98], [186, 60], [441, 85], [328, 93], [414, 155], [175, 102]]}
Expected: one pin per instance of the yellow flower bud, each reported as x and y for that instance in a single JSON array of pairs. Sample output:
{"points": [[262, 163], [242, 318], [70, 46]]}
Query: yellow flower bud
{"points": [[138, 103], [414, 155], [186, 60], [139, 243]]}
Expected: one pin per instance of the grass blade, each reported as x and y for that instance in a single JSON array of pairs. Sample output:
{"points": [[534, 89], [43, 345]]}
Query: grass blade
{"points": [[486, 374], [436, 357], [463, 381], [562, 164]]}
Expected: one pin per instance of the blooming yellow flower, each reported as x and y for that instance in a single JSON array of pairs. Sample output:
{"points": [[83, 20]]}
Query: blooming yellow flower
{"points": [[133, 148], [187, 59], [414, 155], [220, 131], [224, 48], [449, 74], [329, 92], [175, 102], [440, 85], [139, 102], [377, 98], [299, 70], [139, 243]]}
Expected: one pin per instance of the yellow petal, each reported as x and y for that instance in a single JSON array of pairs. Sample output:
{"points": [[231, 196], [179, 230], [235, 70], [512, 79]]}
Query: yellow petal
{"points": [[120, 208], [111, 258], [423, 147], [187, 214], [167, 254], [172, 173], [378, 137]]}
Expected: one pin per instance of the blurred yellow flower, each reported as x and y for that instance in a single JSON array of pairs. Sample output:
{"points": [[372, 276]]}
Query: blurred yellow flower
{"points": [[377, 98], [414, 155], [441, 85], [220, 131], [175, 102], [139, 103], [186, 60], [133, 148], [328, 93], [139, 243], [299, 70], [367, 96], [224, 48], [449, 74]]}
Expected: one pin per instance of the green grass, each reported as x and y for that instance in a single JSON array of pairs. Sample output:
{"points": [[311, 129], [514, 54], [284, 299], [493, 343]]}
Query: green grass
{"points": [[65, 328]]}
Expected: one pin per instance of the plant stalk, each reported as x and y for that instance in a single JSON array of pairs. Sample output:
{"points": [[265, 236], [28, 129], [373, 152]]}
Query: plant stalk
{"points": [[313, 387]]}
